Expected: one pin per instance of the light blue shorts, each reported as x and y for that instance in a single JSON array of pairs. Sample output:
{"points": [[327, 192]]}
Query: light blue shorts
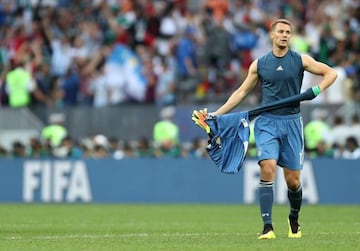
{"points": [[281, 138]]}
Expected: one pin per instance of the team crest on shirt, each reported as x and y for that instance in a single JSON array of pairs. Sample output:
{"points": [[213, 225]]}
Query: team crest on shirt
{"points": [[279, 68]]}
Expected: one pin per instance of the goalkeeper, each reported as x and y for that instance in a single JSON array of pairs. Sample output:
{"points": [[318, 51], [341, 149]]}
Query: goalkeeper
{"points": [[278, 133]]}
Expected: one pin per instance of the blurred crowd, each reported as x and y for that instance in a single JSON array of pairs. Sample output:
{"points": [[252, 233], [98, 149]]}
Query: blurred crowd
{"points": [[334, 139], [164, 52], [323, 139], [60, 53], [55, 141]]}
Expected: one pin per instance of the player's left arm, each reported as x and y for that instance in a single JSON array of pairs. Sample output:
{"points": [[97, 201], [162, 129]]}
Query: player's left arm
{"points": [[318, 68]]}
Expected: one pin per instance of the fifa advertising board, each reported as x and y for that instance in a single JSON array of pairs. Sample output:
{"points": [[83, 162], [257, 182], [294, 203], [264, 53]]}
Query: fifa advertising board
{"points": [[166, 181]]}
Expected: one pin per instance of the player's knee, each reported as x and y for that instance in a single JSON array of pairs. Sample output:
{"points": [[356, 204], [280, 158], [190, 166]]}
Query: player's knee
{"points": [[268, 170], [293, 184], [292, 179]]}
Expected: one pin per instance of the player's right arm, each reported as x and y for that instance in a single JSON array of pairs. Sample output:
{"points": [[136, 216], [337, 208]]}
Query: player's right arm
{"points": [[239, 94]]}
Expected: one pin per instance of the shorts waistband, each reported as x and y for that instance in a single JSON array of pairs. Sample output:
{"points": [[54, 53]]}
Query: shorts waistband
{"points": [[285, 117]]}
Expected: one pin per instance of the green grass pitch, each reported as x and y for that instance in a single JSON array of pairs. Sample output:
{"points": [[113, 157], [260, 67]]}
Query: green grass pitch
{"points": [[172, 227]]}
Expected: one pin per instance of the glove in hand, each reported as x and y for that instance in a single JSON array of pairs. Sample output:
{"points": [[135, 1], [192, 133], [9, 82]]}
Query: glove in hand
{"points": [[199, 118]]}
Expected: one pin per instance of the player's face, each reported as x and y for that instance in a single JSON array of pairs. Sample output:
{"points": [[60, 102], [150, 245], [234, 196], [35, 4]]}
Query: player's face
{"points": [[281, 35]]}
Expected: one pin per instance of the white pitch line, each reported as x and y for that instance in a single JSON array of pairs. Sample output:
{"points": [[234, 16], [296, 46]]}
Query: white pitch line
{"points": [[76, 236], [128, 235], [141, 235]]}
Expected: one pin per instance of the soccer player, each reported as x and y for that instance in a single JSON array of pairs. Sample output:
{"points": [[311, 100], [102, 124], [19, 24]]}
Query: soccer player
{"points": [[279, 133]]}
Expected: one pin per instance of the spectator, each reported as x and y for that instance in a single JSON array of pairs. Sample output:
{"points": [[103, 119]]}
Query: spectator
{"points": [[3, 152], [166, 134], [115, 149], [316, 130], [57, 94], [99, 89], [323, 150], [20, 87], [168, 28], [217, 50], [100, 152], [18, 150], [338, 132], [138, 28], [187, 64], [167, 149], [101, 147], [338, 150], [128, 150], [354, 129], [70, 84], [144, 148], [351, 104], [218, 9], [61, 57], [46, 83], [67, 149], [55, 131], [198, 148], [166, 86], [37, 149], [327, 44], [148, 70], [336, 95], [299, 41], [352, 149]]}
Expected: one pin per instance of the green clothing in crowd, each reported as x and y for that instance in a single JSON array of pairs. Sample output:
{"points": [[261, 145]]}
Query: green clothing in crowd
{"points": [[18, 82], [314, 133], [55, 133], [166, 130]]}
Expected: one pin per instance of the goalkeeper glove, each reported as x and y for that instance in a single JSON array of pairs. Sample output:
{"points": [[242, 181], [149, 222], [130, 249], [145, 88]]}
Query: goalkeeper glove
{"points": [[199, 118], [311, 93]]}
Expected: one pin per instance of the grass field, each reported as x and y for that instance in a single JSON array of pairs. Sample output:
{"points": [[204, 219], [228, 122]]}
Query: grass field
{"points": [[54, 227]]}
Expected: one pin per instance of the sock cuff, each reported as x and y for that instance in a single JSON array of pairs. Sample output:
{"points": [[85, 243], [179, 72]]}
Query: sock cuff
{"points": [[298, 189], [264, 183]]}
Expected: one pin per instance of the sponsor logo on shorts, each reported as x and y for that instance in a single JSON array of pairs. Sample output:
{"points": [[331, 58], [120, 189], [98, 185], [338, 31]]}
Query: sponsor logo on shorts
{"points": [[258, 152]]}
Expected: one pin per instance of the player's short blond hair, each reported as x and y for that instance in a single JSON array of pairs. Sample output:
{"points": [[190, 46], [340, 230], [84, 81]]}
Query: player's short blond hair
{"points": [[280, 21]]}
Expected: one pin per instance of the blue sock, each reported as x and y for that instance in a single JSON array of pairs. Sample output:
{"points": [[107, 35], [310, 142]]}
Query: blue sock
{"points": [[266, 197], [295, 199]]}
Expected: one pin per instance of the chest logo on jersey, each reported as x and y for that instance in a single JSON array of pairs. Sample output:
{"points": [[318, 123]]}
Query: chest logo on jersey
{"points": [[279, 68]]}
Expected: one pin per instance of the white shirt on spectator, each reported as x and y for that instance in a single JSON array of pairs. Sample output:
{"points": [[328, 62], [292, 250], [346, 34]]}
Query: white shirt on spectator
{"points": [[116, 83], [354, 130], [61, 58], [351, 155], [338, 134], [335, 94], [101, 91]]}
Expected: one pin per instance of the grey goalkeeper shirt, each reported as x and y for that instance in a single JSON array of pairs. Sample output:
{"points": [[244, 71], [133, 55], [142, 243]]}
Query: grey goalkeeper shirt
{"points": [[280, 77]]}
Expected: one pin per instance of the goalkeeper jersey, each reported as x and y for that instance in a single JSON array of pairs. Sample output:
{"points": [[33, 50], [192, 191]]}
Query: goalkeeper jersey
{"points": [[229, 141]]}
